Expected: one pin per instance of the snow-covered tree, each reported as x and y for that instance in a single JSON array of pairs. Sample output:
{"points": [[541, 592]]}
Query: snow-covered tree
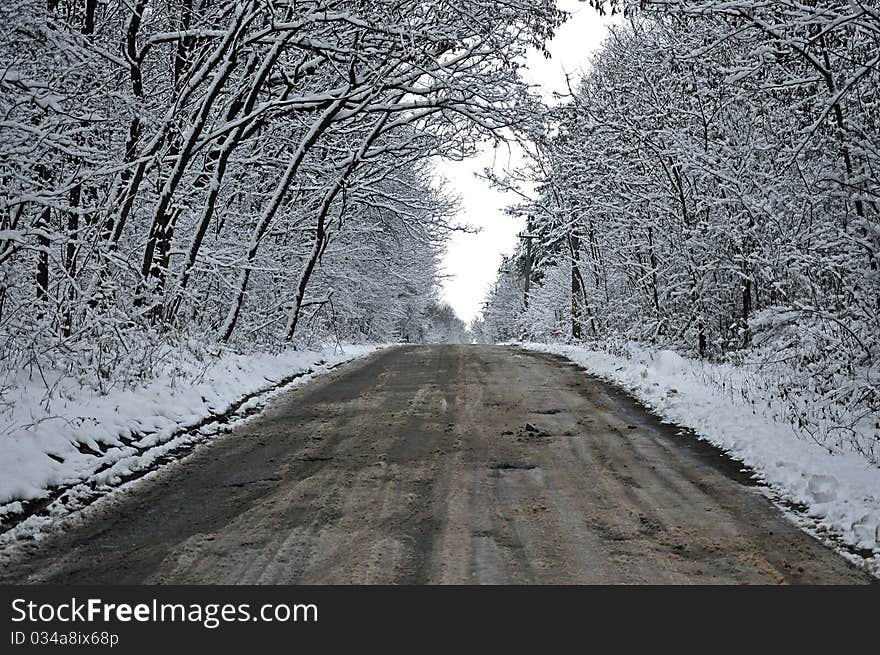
{"points": [[712, 186], [246, 172]]}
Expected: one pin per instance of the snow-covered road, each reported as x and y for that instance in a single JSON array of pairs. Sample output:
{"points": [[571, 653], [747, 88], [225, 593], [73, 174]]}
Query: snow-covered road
{"points": [[63, 449], [441, 464]]}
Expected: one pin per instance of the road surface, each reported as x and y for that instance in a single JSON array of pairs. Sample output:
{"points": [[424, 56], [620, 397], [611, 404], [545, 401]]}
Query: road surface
{"points": [[442, 464]]}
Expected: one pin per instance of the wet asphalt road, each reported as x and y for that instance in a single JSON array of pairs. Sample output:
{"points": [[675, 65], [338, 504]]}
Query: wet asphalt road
{"points": [[441, 464]]}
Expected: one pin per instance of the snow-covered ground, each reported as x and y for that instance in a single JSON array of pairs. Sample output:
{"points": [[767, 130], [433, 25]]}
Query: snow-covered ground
{"points": [[77, 436], [841, 492]]}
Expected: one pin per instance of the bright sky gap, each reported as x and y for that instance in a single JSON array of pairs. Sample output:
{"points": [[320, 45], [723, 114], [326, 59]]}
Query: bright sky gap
{"points": [[472, 260]]}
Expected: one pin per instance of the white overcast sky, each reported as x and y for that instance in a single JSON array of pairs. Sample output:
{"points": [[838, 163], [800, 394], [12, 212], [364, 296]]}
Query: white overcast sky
{"points": [[473, 259]]}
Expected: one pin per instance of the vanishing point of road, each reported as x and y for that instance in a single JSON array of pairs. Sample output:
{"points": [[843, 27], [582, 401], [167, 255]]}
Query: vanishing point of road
{"points": [[441, 464]]}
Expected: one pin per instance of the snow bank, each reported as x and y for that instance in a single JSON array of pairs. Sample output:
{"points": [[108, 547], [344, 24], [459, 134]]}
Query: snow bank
{"points": [[841, 492], [74, 434]]}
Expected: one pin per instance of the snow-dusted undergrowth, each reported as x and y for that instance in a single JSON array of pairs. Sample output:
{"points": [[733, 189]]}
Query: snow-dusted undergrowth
{"points": [[840, 491], [78, 435]]}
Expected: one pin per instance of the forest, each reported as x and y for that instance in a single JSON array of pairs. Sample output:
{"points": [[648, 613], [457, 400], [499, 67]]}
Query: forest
{"points": [[711, 186], [244, 172]]}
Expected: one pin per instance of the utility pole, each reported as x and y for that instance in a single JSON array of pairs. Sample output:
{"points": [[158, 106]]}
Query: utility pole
{"points": [[528, 237]]}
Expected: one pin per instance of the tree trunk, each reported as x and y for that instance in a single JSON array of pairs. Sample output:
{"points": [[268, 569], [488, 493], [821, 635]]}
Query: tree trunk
{"points": [[42, 280], [218, 162], [315, 132], [652, 258], [164, 217], [320, 232], [70, 258]]}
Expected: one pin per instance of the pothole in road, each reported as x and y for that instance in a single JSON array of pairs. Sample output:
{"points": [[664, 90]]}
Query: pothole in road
{"points": [[533, 434], [649, 526], [511, 466]]}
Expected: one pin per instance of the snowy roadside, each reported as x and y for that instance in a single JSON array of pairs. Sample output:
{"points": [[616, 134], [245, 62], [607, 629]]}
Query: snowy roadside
{"points": [[839, 493], [59, 454]]}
